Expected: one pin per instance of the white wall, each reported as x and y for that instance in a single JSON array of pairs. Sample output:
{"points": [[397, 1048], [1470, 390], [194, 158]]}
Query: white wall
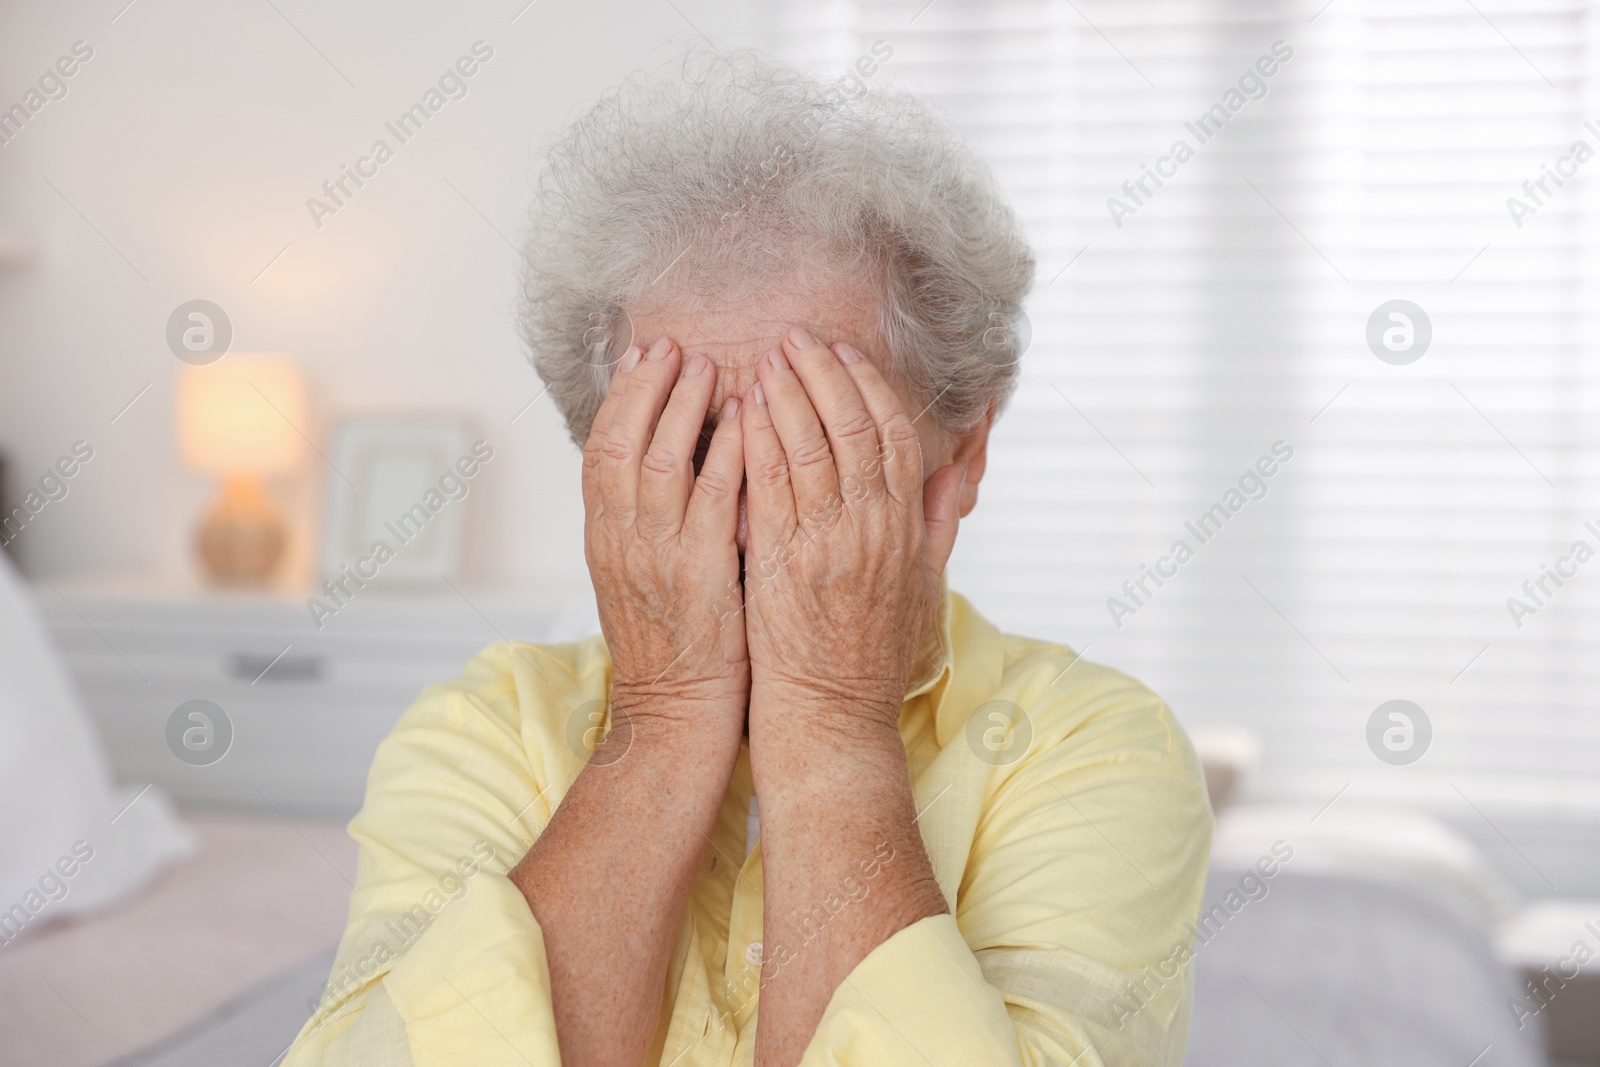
{"points": [[191, 142]]}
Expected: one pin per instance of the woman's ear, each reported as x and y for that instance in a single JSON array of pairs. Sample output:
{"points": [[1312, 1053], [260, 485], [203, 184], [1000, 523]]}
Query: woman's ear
{"points": [[972, 452]]}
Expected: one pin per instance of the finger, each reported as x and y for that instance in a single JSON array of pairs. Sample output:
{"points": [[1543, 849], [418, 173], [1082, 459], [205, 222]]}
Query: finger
{"points": [[766, 465], [627, 436], [617, 386], [812, 473], [899, 447], [941, 511], [712, 515], [851, 429], [666, 474], [592, 448]]}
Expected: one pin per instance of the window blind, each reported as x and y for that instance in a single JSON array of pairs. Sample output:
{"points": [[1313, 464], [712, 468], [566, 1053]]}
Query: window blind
{"points": [[1191, 332]]}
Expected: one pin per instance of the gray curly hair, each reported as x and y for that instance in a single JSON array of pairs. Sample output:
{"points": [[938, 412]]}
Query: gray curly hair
{"points": [[734, 154]]}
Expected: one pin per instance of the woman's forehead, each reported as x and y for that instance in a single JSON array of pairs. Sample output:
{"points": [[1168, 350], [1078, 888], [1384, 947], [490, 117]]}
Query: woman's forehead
{"points": [[736, 335]]}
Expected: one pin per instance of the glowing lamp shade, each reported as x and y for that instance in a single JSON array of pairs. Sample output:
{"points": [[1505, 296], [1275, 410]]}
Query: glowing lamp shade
{"points": [[238, 416], [240, 419]]}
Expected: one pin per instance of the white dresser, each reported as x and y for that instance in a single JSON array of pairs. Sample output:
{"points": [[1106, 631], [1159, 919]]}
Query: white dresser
{"points": [[307, 706]]}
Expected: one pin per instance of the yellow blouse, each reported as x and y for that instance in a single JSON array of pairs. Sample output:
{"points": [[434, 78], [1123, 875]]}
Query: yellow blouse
{"points": [[1061, 805]]}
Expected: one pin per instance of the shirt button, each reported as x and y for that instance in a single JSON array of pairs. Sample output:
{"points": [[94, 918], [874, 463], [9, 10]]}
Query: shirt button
{"points": [[752, 954]]}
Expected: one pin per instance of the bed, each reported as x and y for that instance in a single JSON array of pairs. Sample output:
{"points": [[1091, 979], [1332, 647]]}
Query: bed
{"points": [[1372, 943], [215, 961]]}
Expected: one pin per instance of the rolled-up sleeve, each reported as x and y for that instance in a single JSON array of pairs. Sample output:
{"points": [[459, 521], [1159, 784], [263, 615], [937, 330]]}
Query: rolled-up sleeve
{"points": [[479, 963], [920, 998], [1073, 930]]}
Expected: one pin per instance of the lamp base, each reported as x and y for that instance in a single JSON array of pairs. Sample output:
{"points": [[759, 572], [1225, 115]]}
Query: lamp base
{"points": [[242, 539]]}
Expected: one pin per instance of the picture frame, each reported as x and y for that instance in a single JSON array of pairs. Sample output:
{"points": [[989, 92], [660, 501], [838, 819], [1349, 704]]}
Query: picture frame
{"points": [[396, 498]]}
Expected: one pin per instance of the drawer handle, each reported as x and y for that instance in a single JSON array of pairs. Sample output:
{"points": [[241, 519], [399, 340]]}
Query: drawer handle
{"points": [[252, 668]]}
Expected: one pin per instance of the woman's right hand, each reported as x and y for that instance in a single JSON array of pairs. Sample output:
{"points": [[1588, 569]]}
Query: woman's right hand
{"points": [[659, 542]]}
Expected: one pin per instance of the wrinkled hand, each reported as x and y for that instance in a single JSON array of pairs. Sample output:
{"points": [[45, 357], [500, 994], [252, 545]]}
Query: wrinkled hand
{"points": [[659, 541], [846, 543]]}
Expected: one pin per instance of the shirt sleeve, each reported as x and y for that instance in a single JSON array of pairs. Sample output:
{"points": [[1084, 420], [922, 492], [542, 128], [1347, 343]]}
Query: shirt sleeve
{"points": [[377, 1037], [1073, 927], [439, 940]]}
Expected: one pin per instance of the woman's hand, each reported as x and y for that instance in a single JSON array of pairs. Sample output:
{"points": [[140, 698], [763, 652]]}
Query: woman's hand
{"points": [[659, 541], [846, 544]]}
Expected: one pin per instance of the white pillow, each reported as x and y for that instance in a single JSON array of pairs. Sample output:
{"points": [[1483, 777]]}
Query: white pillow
{"points": [[1377, 842], [60, 851]]}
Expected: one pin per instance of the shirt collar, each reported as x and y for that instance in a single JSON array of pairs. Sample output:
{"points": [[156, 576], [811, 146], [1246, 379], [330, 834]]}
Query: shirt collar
{"points": [[965, 659]]}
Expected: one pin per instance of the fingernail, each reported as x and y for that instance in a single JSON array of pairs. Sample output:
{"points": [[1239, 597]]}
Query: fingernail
{"points": [[730, 408], [695, 366], [846, 353], [659, 349], [760, 397], [776, 360], [801, 337], [630, 359]]}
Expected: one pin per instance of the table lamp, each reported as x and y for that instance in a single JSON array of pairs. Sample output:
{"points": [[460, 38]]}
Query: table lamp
{"points": [[239, 419]]}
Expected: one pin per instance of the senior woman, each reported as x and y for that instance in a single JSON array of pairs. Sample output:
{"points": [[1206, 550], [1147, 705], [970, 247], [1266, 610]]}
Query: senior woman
{"points": [[774, 315]]}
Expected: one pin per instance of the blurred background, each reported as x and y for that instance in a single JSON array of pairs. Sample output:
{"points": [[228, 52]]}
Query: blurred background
{"points": [[1316, 302]]}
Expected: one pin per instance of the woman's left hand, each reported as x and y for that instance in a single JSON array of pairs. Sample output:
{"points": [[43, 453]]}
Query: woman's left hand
{"points": [[846, 543]]}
